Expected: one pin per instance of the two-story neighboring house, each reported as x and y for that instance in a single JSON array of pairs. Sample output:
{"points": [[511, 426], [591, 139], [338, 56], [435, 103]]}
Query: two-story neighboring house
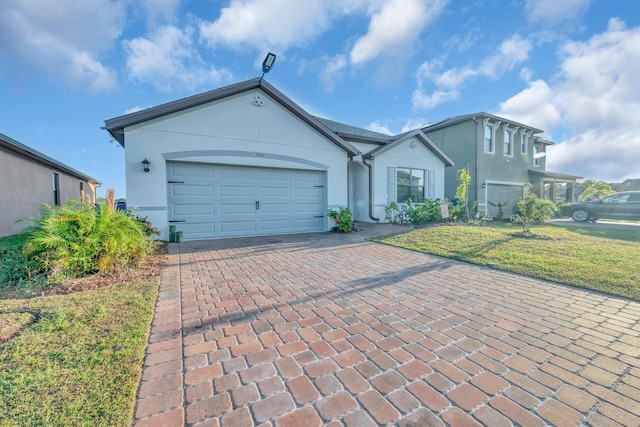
{"points": [[502, 157]]}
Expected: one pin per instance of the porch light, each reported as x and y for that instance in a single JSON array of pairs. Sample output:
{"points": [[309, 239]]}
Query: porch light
{"points": [[145, 164], [268, 63], [484, 185]]}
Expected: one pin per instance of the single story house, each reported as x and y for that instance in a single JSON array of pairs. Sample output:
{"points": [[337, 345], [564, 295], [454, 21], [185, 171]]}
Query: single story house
{"points": [[245, 160], [30, 178]]}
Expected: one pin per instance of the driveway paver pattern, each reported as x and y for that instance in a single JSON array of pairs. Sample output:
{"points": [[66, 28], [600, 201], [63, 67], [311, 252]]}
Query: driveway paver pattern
{"points": [[331, 329]]}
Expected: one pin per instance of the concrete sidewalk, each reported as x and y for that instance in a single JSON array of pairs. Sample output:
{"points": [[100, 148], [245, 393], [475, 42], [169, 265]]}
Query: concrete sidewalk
{"points": [[330, 329]]}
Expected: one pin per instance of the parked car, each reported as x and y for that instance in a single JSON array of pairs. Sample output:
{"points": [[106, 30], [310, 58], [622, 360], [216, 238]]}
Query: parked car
{"points": [[623, 205]]}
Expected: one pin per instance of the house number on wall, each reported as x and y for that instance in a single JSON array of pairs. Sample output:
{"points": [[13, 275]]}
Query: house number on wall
{"points": [[259, 154]]}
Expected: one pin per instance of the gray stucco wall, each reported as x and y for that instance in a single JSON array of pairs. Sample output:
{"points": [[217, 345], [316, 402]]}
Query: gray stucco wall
{"points": [[26, 185]]}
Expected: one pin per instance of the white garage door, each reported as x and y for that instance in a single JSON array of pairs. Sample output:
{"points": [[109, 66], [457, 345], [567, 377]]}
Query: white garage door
{"points": [[208, 201]]}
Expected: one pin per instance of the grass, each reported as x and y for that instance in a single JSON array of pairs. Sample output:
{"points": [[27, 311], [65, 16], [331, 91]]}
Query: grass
{"points": [[601, 259], [78, 357]]}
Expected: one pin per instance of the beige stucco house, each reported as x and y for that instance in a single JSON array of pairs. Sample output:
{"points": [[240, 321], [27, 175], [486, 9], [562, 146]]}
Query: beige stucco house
{"points": [[30, 178]]}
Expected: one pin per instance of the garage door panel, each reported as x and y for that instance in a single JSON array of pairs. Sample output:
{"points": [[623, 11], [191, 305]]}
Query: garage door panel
{"points": [[307, 223], [237, 208], [275, 225], [308, 176], [275, 208], [208, 201], [237, 191], [192, 209], [269, 191], [238, 173], [275, 175], [196, 228], [313, 192], [191, 190], [315, 208], [239, 227], [190, 170]]}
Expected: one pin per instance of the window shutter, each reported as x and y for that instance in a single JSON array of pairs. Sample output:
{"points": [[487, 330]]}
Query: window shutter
{"points": [[431, 184], [391, 184]]}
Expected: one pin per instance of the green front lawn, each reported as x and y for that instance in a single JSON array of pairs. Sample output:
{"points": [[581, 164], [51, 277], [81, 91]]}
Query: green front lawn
{"points": [[73, 359], [602, 259]]}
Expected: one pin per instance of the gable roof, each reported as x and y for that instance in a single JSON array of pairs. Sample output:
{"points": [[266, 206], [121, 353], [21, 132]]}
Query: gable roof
{"points": [[116, 125], [353, 132], [420, 136], [481, 115], [14, 146]]}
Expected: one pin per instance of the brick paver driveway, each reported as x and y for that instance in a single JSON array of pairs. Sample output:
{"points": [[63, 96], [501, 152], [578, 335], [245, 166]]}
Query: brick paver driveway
{"points": [[330, 329]]}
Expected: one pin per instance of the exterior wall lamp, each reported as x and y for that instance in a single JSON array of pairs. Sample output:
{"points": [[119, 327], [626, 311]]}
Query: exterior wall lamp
{"points": [[267, 63], [145, 164], [484, 185]]}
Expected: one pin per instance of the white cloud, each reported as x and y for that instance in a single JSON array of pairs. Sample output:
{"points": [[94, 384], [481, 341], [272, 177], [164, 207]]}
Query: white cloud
{"points": [[533, 106], [167, 59], [394, 28], [159, 10], [332, 71], [512, 52], [412, 124], [63, 38], [377, 127], [268, 24], [554, 12], [422, 100], [594, 101]]}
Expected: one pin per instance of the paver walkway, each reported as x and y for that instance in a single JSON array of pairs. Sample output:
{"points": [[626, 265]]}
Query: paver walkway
{"points": [[330, 329]]}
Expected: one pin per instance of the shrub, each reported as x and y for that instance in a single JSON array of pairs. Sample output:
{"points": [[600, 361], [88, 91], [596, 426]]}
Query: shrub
{"points": [[430, 211], [532, 210], [343, 218], [14, 265], [79, 238]]}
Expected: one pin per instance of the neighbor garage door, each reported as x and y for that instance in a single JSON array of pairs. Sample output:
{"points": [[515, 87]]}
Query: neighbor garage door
{"points": [[503, 193], [208, 201]]}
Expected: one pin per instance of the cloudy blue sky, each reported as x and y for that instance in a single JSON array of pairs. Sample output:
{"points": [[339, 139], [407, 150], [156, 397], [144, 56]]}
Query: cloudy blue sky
{"points": [[567, 66]]}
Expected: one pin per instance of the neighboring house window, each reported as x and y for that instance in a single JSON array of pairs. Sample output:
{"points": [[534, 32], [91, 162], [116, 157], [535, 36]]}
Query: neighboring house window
{"points": [[488, 138], [56, 189], [507, 143], [523, 143], [410, 185], [536, 155]]}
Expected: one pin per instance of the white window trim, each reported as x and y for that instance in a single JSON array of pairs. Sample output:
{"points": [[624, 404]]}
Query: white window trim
{"points": [[494, 127], [510, 132], [524, 141]]}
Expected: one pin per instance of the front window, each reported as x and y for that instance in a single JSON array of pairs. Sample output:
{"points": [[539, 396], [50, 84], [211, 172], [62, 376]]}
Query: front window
{"points": [[410, 185], [488, 139], [507, 143], [523, 143]]}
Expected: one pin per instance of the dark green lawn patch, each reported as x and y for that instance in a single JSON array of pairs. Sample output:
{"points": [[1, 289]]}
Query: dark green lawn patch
{"points": [[77, 359], [606, 260]]}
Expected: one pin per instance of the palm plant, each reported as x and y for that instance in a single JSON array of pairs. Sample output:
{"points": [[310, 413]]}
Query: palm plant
{"points": [[79, 238]]}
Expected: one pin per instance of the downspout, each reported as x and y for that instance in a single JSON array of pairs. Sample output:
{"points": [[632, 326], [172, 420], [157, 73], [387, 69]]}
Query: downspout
{"points": [[370, 191]]}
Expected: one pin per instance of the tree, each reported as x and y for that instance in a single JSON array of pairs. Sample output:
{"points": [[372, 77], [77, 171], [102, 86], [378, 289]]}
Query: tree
{"points": [[595, 189], [462, 192]]}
